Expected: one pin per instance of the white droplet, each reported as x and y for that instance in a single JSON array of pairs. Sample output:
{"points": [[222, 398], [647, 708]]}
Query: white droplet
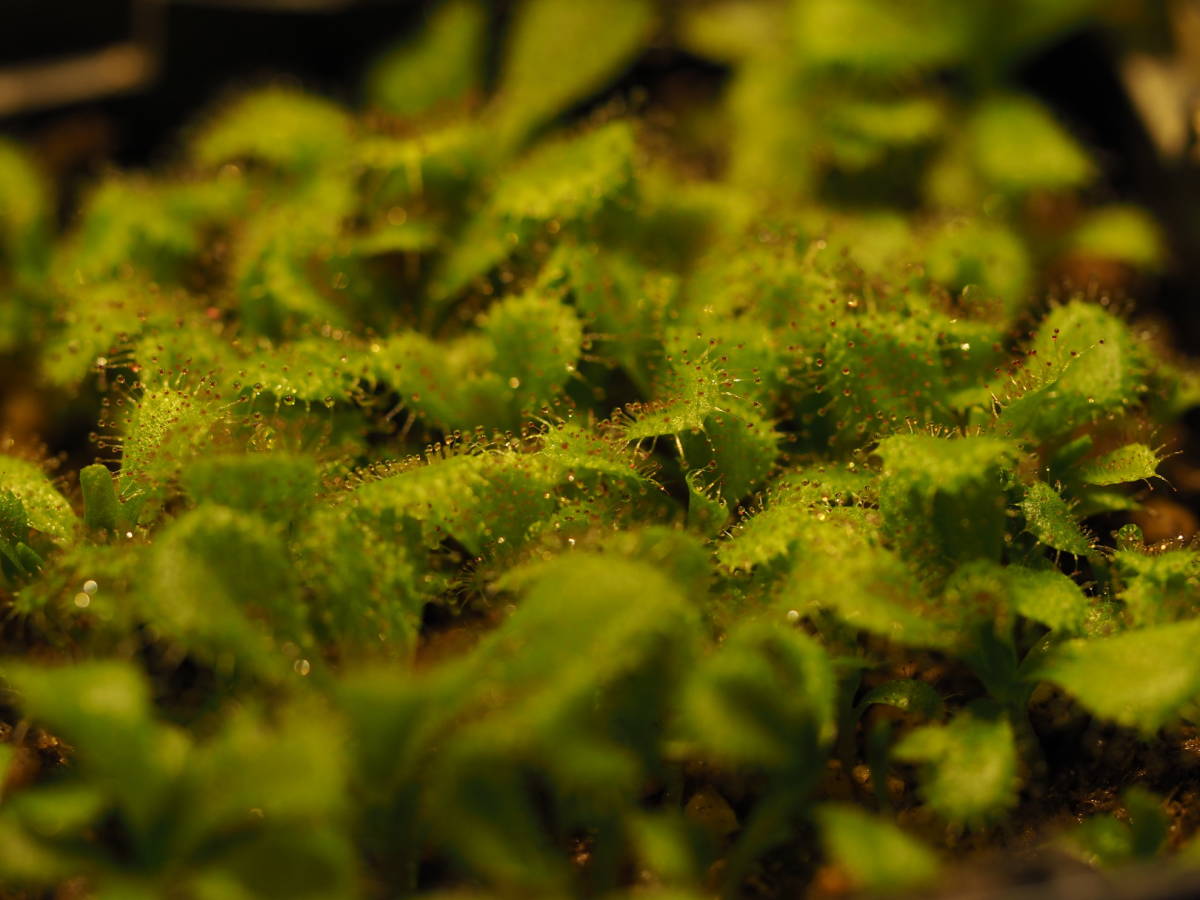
{"points": [[964, 347], [793, 615], [514, 382], [82, 600], [90, 586], [302, 667]]}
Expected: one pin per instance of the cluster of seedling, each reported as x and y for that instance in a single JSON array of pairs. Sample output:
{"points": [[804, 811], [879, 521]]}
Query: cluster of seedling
{"points": [[485, 506]]}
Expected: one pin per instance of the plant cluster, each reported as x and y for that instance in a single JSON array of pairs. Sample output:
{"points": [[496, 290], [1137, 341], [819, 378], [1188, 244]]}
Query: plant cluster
{"points": [[494, 504]]}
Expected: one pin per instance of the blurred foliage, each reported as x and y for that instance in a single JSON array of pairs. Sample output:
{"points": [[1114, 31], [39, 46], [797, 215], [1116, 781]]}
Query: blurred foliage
{"points": [[503, 492]]}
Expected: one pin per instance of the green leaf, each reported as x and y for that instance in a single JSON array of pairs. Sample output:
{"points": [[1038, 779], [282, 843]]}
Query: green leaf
{"points": [[99, 322], [793, 500], [559, 53], [442, 65], [308, 370], [1049, 519], [46, 509], [1097, 501], [291, 773], [1081, 366], [536, 342], [26, 201], [667, 847], [731, 31], [906, 694], [282, 264], [617, 295], [1102, 840], [363, 610], [579, 708], [25, 192], [892, 123], [14, 520], [491, 500], [840, 566], [26, 859], [1133, 462], [943, 498], [1049, 597], [1122, 233], [408, 237], [1159, 587], [486, 818], [765, 698], [877, 855], [156, 225], [100, 705], [476, 499], [103, 709], [167, 428], [279, 126], [312, 860], [877, 38], [438, 164], [275, 485], [707, 512], [481, 246], [980, 260], [906, 364], [514, 366], [1109, 841], [1148, 819], [219, 582], [715, 432], [968, 767], [735, 449], [59, 808], [101, 508], [1019, 147], [760, 279], [1141, 679], [569, 180]]}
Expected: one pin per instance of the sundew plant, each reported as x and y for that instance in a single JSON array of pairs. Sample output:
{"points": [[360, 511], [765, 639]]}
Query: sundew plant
{"points": [[506, 492]]}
